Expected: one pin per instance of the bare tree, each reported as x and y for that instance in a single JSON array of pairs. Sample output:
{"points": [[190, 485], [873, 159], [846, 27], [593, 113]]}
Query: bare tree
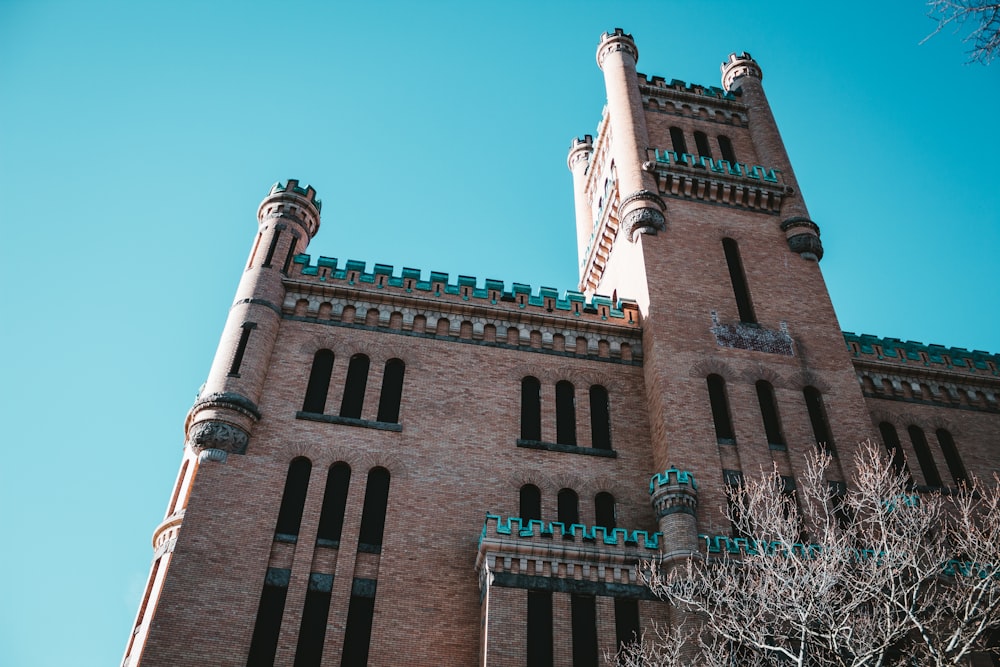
{"points": [[982, 16], [867, 574]]}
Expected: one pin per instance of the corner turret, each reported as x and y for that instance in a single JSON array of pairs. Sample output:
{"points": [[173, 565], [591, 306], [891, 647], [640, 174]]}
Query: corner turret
{"points": [[580, 153]]}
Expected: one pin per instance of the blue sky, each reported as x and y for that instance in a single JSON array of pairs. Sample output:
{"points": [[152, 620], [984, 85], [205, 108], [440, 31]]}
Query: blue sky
{"points": [[137, 139]]}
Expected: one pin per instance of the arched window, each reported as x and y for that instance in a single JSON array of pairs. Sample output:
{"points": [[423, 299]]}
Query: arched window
{"points": [[568, 507], [955, 466], [891, 441], [392, 391], [293, 500], [530, 502], [769, 412], [924, 456], [817, 416], [677, 139], [726, 148], [604, 510], [354, 388], [720, 410], [319, 382], [531, 409], [739, 280], [373, 514], [565, 414], [701, 143], [331, 519], [600, 417]]}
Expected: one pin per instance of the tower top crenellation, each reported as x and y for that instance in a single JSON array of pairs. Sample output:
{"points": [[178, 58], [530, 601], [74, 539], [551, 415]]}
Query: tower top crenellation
{"points": [[738, 66], [581, 148], [617, 40], [290, 199]]}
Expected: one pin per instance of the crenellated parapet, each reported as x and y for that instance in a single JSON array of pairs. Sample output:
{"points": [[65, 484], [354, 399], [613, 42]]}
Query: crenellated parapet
{"points": [[497, 526], [616, 41], [291, 201], [673, 491], [737, 67]]}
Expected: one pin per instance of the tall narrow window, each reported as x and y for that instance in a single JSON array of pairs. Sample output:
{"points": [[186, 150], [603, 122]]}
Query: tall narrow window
{"points": [[720, 410], [817, 417], [271, 248], [568, 507], [293, 500], [565, 414], [734, 500], [769, 412], [241, 348], [354, 389], [677, 139], [726, 148], [331, 519], [264, 642], [701, 142], [531, 409], [373, 514], [289, 256], [583, 611], [739, 280], [626, 622], [924, 456], [951, 457], [312, 631], [358, 633], [604, 510], [392, 391], [891, 441], [600, 417], [539, 629], [319, 382], [530, 502]]}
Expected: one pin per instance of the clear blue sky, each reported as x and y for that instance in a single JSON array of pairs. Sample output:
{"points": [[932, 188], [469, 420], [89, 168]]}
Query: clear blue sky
{"points": [[137, 139]]}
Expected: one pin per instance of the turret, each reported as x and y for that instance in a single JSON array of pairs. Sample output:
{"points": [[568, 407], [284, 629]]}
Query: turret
{"points": [[580, 153], [221, 420], [742, 73]]}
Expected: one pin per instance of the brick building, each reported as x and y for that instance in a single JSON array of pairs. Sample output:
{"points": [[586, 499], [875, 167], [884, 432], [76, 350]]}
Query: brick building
{"points": [[358, 423]]}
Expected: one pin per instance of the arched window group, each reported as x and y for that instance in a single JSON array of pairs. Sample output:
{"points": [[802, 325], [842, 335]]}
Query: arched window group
{"points": [[925, 457], [568, 507], [565, 403], [355, 385], [702, 144]]}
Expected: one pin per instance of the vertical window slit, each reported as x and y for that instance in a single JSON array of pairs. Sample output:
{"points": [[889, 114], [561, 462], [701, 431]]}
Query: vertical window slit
{"points": [[720, 410], [241, 348], [540, 629], [626, 622], [568, 507], [583, 611], [293, 500], [531, 409], [358, 633], [600, 417], [312, 631], [952, 458], [726, 148], [392, 391], [373, 513], [530, 503], [271, 248], [924, 456], [319, 382], [739, 280], [264, 642], [769, 413], [331, 519], [565, 414], [604, 510], [890, 438], [354, 389], [817, 417]]}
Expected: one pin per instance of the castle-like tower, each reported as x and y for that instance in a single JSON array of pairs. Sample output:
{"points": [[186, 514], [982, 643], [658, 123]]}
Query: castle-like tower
{"points": [[358, 425]]}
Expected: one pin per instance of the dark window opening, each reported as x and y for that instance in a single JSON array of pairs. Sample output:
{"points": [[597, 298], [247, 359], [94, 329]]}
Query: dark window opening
{"points": [[288, 257], [331, 518], [817, 417], [312, 631], [539, 629], [319, 382], [531, 409], [358, 633], [726, 148], [924, 456], [271, 248], [626, 622], [264, 642], [241, 348], [952, 458], [354, 388], [890, 438], [604, 510], [293, 500], [253, 253], [701, 142], [720, 410], [392, 391], [373, 514], [769, 412], [568, 507], [739, 280], [677, 139], [600, 417], [565, 414], [583, 612], [530, 503], [734, 500]]}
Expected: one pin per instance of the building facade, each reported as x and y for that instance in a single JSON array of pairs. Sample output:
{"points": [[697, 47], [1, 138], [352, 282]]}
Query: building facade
{"points": [[388, 467]]}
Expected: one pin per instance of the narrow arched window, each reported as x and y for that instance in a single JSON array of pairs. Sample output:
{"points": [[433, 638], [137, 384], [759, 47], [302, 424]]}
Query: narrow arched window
{"points": [[677, 139], [319, 382], [392, 391], [924, 456], [726, 148], [264, 642], [890, 438], [315, 613], [373, 514], [530, 502], [331, 519], [720, 410], [604, 510], [769, 413], [701, 143], [568, 507], [739, 280], [565, 414], [354, 388], [531, 409], [817, 417], [600, 417], [954, 461], [293, 500]]}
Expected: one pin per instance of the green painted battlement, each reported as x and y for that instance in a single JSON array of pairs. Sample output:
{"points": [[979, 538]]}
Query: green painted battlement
{"points": [[292, 185], [911, 352], [693, 88], [468, 288], [497, 526], [672, 476]]}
